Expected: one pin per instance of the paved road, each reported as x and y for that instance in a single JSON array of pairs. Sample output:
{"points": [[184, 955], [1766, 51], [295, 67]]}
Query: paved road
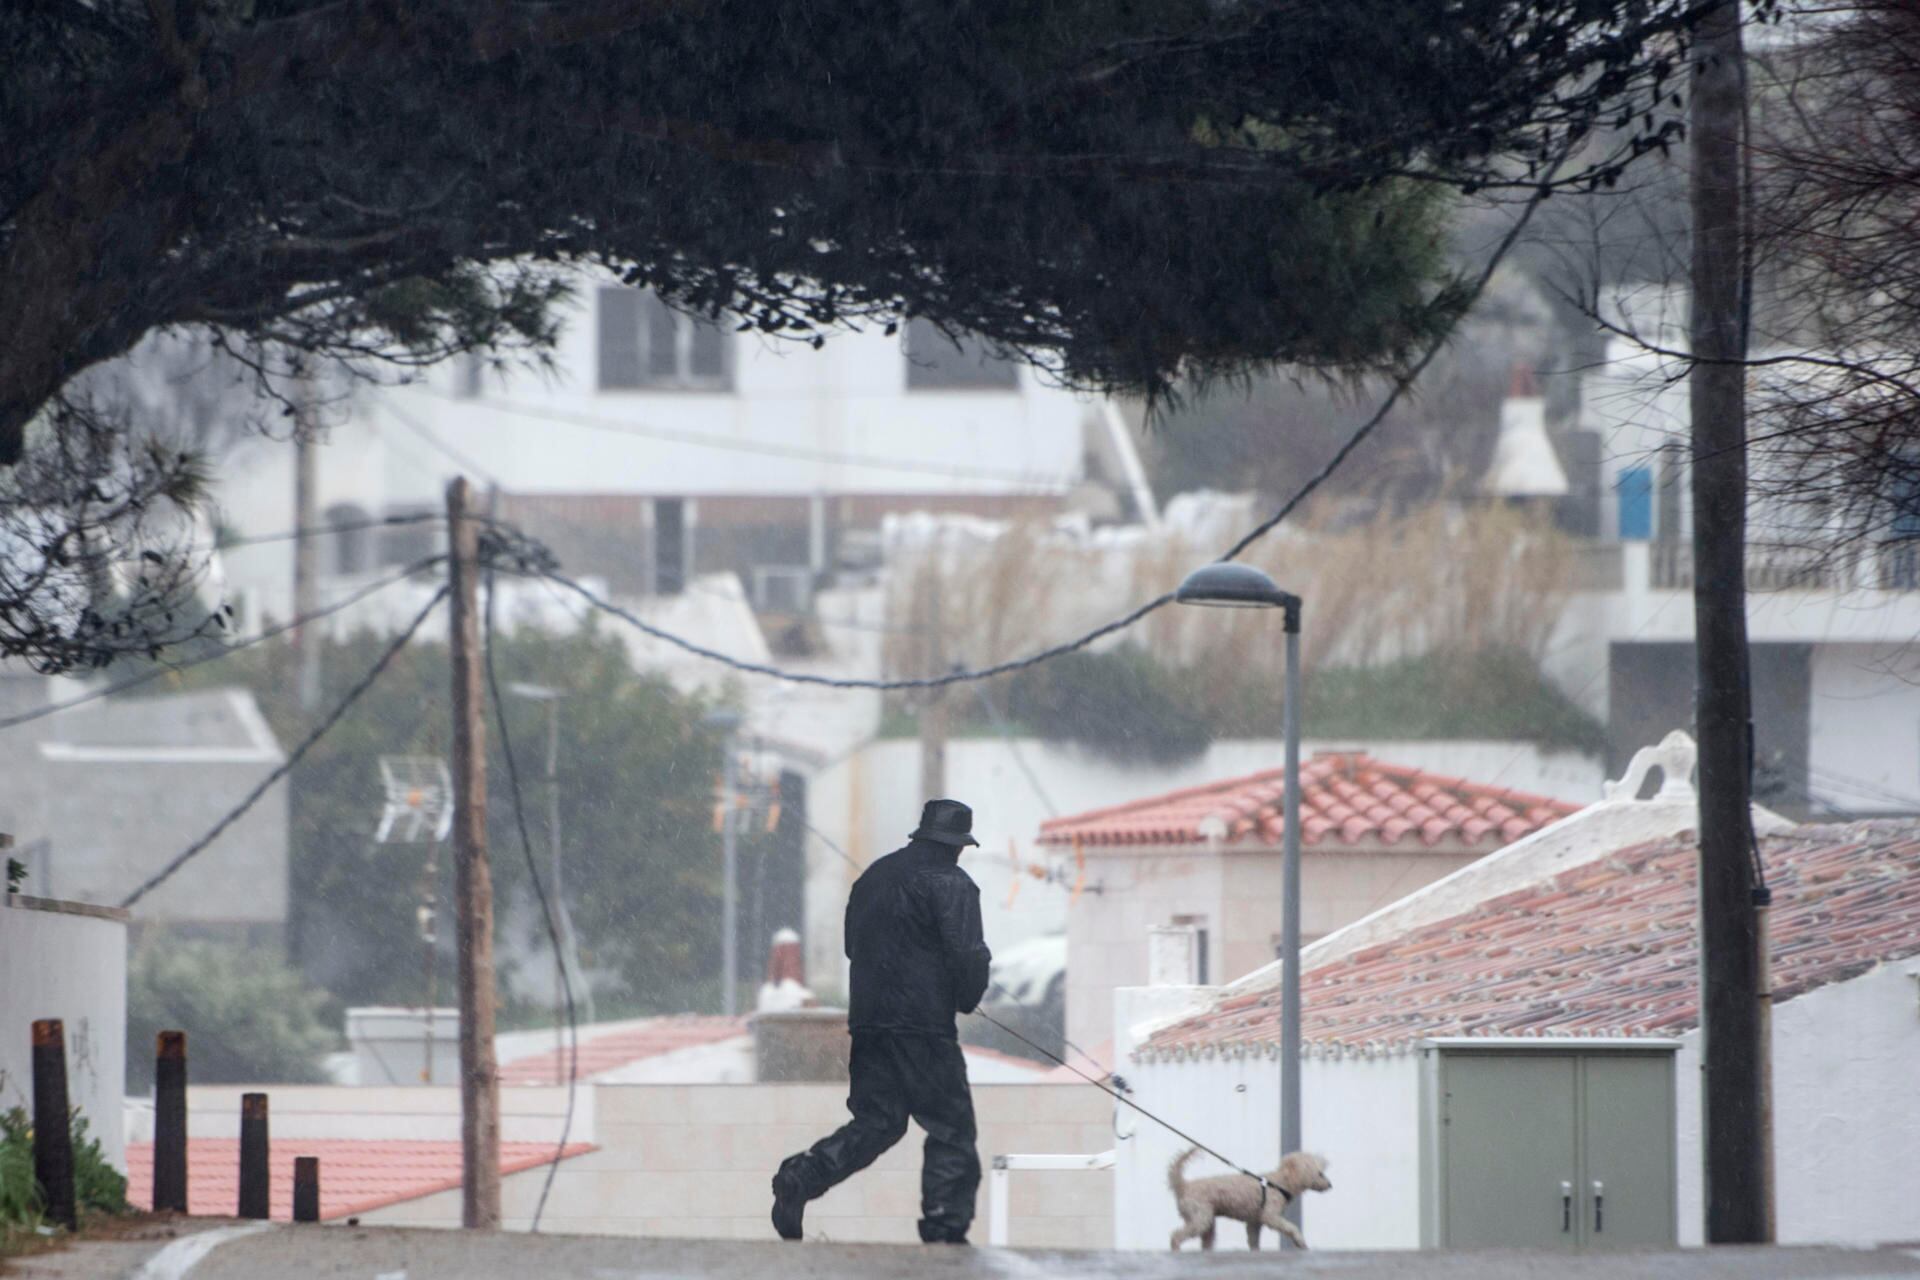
{"points": [[355, 1253]]}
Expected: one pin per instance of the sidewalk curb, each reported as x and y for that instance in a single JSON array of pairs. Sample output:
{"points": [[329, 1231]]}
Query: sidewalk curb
{"points": [[182, 1255]]}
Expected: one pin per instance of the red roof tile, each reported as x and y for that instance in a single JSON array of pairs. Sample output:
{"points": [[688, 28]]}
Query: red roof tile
{"points": [[356, 1175], [1606, 948], [601, 1053], [1346, 798]]}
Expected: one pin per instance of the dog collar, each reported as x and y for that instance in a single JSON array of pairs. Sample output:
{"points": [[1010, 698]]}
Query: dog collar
{"points": [[1286, 1196]]}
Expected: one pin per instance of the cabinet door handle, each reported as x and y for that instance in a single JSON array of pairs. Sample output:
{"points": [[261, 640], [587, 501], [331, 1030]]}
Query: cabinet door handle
{"points": [[1566, 1206], [1599, 1204]]}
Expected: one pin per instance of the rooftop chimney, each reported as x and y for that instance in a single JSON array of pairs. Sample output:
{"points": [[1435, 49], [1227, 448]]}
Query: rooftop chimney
{"points": [[1525, 464], [786, 984]]}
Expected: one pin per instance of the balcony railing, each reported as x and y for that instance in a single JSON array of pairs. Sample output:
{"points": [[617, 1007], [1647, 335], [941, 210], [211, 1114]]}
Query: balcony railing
{"points": [[1780, 566]]}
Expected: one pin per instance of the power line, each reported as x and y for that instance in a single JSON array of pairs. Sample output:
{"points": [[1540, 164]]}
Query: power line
{"points": [[1121, 1098], [827, 840], [328, 530], [546, 907], [269, 633], [1404, 382], [293, 758], [1013, 748], [434, 442], [591, 422], [1400, 387], [840, 682]]}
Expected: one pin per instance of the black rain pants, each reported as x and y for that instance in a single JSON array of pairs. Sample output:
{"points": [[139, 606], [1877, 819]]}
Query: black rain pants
{"points": [[897, 1075]]}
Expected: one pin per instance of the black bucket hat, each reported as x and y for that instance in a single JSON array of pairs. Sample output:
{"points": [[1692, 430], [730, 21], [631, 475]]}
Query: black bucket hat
{"points": [[946, 822]]}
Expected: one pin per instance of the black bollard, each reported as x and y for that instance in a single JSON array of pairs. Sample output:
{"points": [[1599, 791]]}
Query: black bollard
{"points": [[170, 1123], [52, 1121], [306, 1188], [255, 1187]]}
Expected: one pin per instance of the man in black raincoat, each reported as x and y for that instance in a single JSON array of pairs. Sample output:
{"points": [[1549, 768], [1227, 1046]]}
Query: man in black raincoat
{"points": [[919, 958]]}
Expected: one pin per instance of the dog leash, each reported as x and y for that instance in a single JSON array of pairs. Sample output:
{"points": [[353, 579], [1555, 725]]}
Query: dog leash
{"points": [[1169, 1126]]}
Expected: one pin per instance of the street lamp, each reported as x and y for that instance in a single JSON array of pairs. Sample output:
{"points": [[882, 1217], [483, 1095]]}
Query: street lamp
{"points": [[568, 951], [728, 723], [1224, 584]]}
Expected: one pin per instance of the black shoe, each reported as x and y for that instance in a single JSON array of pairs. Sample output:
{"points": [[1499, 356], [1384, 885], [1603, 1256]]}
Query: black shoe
{"points": [[941, 1233], [789, 1201]]}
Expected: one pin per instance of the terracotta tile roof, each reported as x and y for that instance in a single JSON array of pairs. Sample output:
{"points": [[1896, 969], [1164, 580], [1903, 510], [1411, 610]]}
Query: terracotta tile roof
{"points": [[1608, 948], [1347, 798], [600, 1053], [356, 1175]]}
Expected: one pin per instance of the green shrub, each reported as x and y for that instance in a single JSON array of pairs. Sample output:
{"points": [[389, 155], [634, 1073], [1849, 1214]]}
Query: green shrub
{"points": [[97, 1186], [249, 1017], [1122, 704], [19, 1194]]}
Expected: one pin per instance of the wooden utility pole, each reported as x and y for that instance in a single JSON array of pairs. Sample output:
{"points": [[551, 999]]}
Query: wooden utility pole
{"points": [[1735, 1141], [472, 881]]}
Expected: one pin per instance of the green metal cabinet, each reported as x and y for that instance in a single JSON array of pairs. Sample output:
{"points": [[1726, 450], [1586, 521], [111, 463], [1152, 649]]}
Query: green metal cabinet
{"points": [[1548, 1144]]}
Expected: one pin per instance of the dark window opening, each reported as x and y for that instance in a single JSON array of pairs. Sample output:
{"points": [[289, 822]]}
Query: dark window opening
{"points": [[669, 546], [643, 343], [352, 539], [936, 362], [1199, 926]]}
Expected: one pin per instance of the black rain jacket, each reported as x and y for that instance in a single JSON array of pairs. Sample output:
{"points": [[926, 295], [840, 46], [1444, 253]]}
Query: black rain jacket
{"points": [[913, 934]]}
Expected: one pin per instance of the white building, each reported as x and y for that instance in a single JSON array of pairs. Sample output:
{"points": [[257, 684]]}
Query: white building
{"points": [[1512, 1056], [657, 449], [1836, 686]]}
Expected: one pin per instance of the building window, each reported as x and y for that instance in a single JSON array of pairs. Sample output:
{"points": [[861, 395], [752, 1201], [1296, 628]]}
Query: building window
{"points": [[405, 544], [644, 344], [669, 546], [353, 538], [936, 362], [1199, 926]]}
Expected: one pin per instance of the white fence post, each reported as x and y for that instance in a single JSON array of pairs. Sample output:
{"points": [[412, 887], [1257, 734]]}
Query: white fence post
{"points": [[1003, 1167]]}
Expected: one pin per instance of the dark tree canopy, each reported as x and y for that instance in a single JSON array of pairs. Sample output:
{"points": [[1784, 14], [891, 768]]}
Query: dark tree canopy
{"points": [[1124, 193], [1112, 187]]}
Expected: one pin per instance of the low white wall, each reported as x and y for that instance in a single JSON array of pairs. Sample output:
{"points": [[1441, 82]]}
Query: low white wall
{"points": [[1846, 1069], [1361, 1114], [67, 961], [422, 1113], [696, 1161]]}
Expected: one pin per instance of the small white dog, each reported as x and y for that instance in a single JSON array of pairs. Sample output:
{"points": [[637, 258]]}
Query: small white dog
{"points": [[1236, 1196]]}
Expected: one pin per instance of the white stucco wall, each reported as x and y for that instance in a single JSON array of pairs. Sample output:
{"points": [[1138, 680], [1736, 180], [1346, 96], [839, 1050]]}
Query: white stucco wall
{"points": [[796, 421], [1846, 1127], [693, 1161], [58, 963], [1363, 1115], [1864, 742], [1846, 1071]]}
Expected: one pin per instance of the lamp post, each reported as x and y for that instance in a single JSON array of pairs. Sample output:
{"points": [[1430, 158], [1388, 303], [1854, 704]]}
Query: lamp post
{"points": [[567, 955], [1225, 584], [728, 723]]}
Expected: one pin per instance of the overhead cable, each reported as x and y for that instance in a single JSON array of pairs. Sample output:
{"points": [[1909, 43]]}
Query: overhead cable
{"points": [[340, 709], [225, 651], [572, 1047]]}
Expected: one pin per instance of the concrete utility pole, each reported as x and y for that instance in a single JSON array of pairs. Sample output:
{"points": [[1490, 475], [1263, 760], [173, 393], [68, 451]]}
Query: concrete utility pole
{"points": [[306, 549], [472, 881], [1735, 1141], [933, 707]]}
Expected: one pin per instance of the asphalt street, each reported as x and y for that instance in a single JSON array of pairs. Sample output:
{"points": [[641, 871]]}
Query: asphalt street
{"points": [[256, 1252]]}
